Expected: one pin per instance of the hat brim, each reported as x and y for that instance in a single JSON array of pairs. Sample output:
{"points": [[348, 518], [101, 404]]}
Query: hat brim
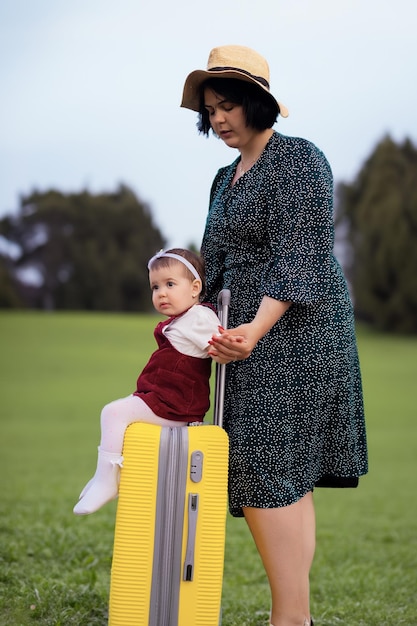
{"points": [[193, 82]]}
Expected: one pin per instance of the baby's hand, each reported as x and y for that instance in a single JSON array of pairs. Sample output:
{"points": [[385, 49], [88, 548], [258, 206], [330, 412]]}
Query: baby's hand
{"points": [[237, 338]]}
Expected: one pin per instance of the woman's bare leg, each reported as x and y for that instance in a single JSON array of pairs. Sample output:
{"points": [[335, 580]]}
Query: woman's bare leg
{"points": [[285, 539]]}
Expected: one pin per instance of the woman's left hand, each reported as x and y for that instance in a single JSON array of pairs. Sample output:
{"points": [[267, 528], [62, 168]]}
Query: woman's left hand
{"points": [[234, 344]]}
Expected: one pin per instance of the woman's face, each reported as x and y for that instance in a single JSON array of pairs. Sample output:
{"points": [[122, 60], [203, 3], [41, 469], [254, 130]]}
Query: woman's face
{"points": [[227, 120]]}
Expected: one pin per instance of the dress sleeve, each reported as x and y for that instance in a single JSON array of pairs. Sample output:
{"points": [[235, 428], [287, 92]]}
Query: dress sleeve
{"points": [[212, 247], [300, 226]]}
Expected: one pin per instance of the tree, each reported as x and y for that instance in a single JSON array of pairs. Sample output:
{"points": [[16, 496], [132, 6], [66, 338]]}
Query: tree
{"points": [[378, 212], [87, 251], [9, 292]]}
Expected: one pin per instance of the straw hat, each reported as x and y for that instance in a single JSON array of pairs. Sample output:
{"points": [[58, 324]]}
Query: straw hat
{"points": [[229, 62]]}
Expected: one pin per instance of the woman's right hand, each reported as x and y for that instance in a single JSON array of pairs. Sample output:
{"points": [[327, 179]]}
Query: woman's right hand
{"points": [[231, 345], [236, 344]]}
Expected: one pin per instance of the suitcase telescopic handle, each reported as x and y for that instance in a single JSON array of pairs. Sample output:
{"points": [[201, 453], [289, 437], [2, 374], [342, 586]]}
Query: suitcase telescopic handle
{"points": [[223, 303]]}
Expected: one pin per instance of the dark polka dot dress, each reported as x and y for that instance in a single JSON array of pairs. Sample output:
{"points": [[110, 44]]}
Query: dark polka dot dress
{"points": [[294, 408]]}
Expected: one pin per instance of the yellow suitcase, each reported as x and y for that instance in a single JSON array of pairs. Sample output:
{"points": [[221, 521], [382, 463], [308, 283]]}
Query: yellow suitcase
{"points": [[168, 555]]}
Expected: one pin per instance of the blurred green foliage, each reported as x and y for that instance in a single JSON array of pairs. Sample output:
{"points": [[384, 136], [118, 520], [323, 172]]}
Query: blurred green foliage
{"points": [[84, 251], [378, 212]]}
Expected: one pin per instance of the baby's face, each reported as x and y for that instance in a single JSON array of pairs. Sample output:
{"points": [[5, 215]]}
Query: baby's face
{"points": [[172, 291]]}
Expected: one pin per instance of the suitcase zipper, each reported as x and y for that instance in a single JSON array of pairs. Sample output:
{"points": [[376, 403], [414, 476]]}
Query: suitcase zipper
{"points": [[166, 574]]}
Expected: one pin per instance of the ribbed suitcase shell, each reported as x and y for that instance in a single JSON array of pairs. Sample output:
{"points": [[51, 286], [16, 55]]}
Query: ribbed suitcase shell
{"points": [[141, 590]]}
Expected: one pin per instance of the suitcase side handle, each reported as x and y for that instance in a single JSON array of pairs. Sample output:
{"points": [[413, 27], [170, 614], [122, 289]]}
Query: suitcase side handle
{"points": [[223, 303], [188, 572]]}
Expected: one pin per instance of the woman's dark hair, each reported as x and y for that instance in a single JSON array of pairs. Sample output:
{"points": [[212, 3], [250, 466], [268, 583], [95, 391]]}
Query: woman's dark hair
{"points": [[260, 109]]}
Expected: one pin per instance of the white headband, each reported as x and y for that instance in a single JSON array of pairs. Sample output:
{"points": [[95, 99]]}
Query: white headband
{"points": [[161, 254]]}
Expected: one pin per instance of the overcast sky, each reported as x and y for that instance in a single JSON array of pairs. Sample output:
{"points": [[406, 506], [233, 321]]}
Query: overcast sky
{"points": [[90, 91]]}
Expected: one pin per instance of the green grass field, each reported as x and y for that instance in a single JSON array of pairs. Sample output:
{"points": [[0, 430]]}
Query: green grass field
{"points": [[58, 370]]}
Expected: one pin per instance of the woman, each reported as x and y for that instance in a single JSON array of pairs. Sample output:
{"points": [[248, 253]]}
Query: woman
{"points": [[293, 402]]}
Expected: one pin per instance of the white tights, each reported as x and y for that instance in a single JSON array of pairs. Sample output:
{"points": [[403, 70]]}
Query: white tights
{"points": [[115, 418], [117, 415]]}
